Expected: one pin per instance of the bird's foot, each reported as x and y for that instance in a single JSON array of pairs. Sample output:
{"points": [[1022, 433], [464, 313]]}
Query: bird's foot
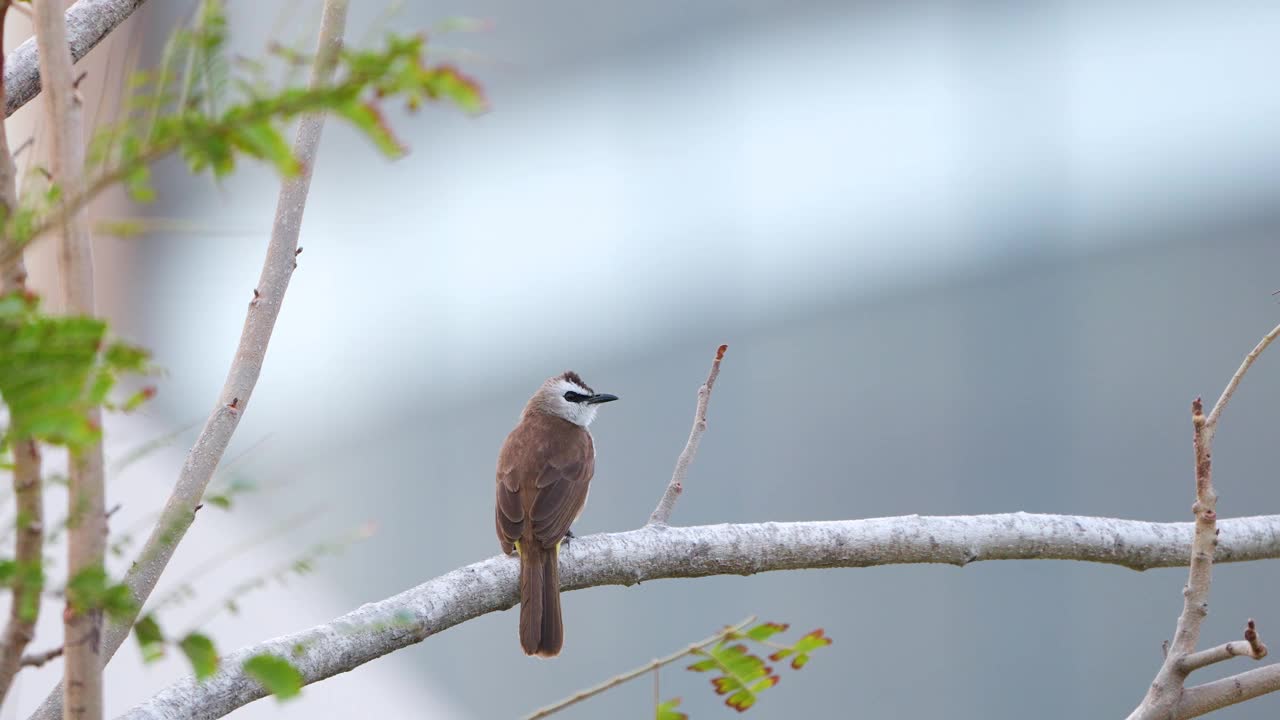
{"points": [[568, 535]]}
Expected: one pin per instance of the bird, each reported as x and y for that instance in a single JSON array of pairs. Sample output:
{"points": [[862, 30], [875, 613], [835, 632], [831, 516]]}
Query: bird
{"points": [[544, 472]]}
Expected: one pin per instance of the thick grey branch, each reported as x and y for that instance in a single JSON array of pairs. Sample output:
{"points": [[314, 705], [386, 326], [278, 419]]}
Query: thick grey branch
{"points": [[88, 22], [659, 551]]}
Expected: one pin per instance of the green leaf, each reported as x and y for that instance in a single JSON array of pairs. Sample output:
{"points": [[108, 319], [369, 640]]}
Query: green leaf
{"points": [[263, 141], [8, 571], [704, 665], [91, 589], [447, 81], [276, 674], [805, 645], [51, 371], [150, 638], [45, 364], [135, 400], [764, 631], [366, 118], [200, 651], [667, 711], [219, 501], [138, 184], [812, 641]]}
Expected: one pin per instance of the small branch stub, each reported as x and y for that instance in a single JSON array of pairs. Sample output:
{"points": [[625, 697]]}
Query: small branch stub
{"points": [[662, 514]]}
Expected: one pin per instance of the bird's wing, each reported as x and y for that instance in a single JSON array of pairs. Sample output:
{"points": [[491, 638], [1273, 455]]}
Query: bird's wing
{"points": [[509, 515], [542, 483], [509, 510], [561, 489]]}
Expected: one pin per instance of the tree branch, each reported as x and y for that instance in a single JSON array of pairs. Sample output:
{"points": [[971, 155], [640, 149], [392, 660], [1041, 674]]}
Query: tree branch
{"points": [[38, 659], [29, 579], [1249, 647], [264, 309], [86, 519], [87, 23], [662, 514], [1218, 694], [658, 551], [27, 488], [13, 272], [1166, 697], [652, 666]]}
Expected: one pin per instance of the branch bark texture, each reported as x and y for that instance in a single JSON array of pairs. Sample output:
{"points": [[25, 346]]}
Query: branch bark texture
{"points": [[657, 551], [86, 511], [87, 22], [264, 308]]}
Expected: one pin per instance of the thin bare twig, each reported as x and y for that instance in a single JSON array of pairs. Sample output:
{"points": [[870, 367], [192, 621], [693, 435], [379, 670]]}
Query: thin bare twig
{"points": [[86, 540], [633, 674], [1166, 696], [260, 319], [28, 581], [38, 659], [1251, 646], [1212, 422], [662, 514]]}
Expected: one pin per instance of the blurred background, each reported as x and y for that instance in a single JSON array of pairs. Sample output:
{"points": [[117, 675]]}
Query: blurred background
{"points": [[968, 258]]}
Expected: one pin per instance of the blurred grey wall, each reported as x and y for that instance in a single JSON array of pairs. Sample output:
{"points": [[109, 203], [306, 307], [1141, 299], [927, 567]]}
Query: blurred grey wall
{"points": [[968, 257]]}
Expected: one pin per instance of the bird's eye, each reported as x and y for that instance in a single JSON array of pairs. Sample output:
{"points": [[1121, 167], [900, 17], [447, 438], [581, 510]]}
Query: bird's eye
{"points": [[574, 397]]}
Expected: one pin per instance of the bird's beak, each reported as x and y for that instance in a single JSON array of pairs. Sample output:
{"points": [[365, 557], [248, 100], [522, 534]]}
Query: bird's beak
{"points": [[601, 398]]}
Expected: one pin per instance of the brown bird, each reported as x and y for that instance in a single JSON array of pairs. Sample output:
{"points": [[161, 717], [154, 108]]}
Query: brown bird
{"points": [[544, 470]]}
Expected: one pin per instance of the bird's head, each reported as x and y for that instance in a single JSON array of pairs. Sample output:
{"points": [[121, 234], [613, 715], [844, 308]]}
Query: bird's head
{"points": [[568, 397]]}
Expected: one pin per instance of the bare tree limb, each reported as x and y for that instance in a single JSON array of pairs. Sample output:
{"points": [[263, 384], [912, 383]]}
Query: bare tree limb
{"points": [[1201, 699], [38, 659], [264, 309], [28, 581], [633, 674], [1166, 696], [13, 273], [659, 551], [88, 22], [1211, 423], [1251, 646], [27, 488], [86, 520], [662, 514]]}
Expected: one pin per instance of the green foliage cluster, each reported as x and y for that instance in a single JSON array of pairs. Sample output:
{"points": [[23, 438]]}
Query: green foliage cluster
{"points": [[741, 674], [54, 368], [277, 674], [212, 116], [30, 577], [198, 106]]}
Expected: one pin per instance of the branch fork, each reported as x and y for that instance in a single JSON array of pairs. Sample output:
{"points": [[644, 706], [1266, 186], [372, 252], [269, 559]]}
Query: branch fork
{"points": [[1168, 697]]}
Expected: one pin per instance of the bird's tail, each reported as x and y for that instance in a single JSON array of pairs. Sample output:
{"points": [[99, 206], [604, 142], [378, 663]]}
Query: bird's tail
{"points": [[541, 629]]}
